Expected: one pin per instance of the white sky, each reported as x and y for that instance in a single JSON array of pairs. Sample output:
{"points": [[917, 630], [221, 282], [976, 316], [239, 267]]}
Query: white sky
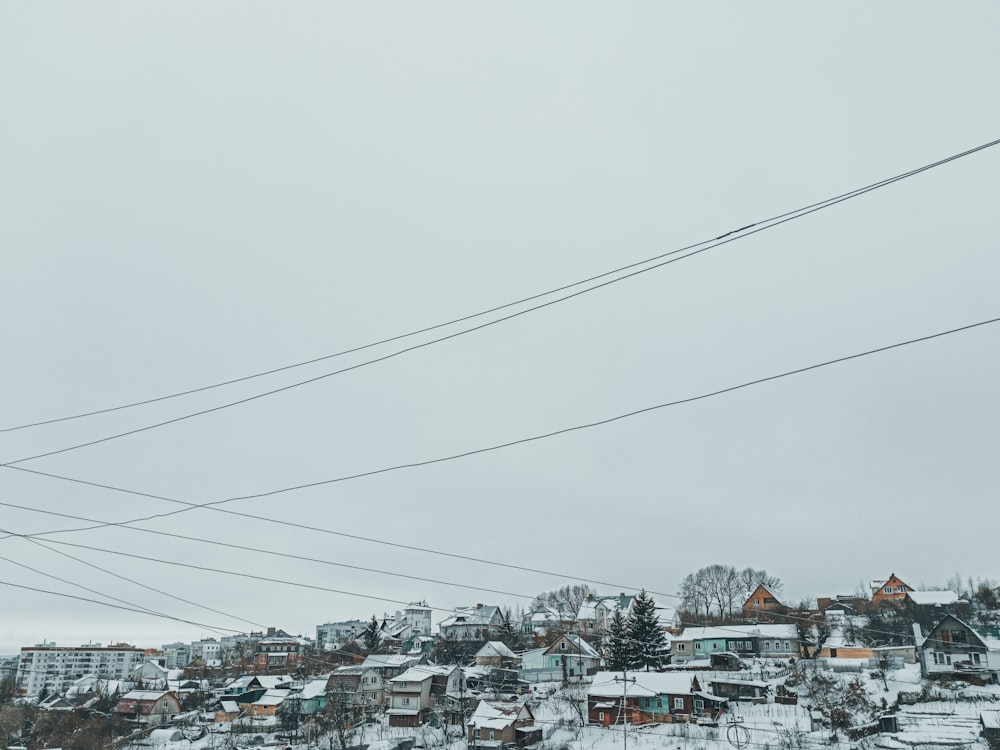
{"points": [[196, 192]]}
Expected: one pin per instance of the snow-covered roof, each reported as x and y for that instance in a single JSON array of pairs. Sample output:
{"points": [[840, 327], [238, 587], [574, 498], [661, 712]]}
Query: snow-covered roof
{"points": [[144, 695], [990, 719], [272, 698], [733, 632], [421, 673], [388, 660], [584, 648], [933, 598], [496, 648], [230, 707], [478, 615], [647, 684], [498, 714]]}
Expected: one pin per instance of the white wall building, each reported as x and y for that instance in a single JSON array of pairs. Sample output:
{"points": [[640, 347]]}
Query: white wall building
{"points": [[55, 668]]}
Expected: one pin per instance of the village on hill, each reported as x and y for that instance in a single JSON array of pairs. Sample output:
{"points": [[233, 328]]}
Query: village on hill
{"points": [[727, 663]]}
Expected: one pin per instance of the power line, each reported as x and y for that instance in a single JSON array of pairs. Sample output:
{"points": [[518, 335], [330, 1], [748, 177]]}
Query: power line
{"points": [[246, 548], [114, 606], [138, 583], [725, 628], [512, 443], [708, 245]]}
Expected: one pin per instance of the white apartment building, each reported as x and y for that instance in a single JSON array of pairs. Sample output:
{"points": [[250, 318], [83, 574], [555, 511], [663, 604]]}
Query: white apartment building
{"points": [[55, 668]]}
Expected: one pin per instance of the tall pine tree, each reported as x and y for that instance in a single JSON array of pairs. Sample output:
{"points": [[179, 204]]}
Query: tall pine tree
{"points": [[648, 641], [618, 652], [371, 636]]}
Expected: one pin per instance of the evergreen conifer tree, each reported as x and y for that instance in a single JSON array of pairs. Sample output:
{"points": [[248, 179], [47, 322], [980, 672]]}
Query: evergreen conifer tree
{"points": [[370, 636], [647, 638], [618, 652]]}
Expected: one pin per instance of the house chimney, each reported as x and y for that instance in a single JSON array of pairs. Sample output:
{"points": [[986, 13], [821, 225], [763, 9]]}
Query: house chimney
{"points": [[270, 631], [479, 605]]}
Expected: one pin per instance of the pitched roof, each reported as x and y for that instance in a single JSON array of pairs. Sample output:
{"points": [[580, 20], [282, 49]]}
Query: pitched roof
{"points": [[646, 685], [733, 632], [499, 714], [496, 648], [932, 598], [584, 648]]}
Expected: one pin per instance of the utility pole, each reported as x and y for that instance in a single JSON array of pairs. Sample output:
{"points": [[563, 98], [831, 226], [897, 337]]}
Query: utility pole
{"points": [[625, 680]]}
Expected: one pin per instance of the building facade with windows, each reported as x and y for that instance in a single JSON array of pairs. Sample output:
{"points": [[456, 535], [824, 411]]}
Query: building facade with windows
{"points": [[54, 668]]}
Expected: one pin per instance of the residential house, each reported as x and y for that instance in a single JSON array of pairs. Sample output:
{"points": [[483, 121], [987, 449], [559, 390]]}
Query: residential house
{"points": [[308, 699], [151, 674], [417, 692], [227, 711], [259, 684], [845, 603], [267, 704], [543, 620], [954, 648], [739, 690], [410, 697], [944, 600], [357, 685], [280, 651], [653, 697], [573, 656], [891, 589], [594, 615], [496, 724], [400, 630], [479, 623], [152, 707], [762, 604], [776, 641], [496, 654]]}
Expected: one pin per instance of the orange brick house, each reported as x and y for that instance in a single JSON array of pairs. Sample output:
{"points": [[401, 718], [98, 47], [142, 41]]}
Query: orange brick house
{"points": [[891, 590], [761, 602]]}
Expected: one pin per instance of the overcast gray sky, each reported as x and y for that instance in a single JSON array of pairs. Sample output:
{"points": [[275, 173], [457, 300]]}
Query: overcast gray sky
{"points": [[195, 192]]}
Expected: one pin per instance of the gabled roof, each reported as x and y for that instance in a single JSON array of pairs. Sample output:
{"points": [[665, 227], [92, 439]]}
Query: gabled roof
{"points": [[934, 640], [759, 592], [496, 648], [477, 615], [580, 646], [932, 598], [383, 661], [646, 685], [499, 714], [733, 632]]}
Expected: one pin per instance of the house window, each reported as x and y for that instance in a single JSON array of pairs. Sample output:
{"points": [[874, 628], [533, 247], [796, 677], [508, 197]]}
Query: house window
{"points": [[659, 702], [680, 646], [958, 636], [678, 704], [756, 602], [562, 646], [699, 705], [788, 646], [974, 657], [748, 645], [767, 645], [600, 716], [492, 735], [732, 645], [405, 701]]}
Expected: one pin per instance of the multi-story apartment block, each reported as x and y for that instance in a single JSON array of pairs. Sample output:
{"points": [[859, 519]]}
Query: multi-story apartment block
{"points": [[207, 652], [177, 655], [335, 634], [54, 668]]}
